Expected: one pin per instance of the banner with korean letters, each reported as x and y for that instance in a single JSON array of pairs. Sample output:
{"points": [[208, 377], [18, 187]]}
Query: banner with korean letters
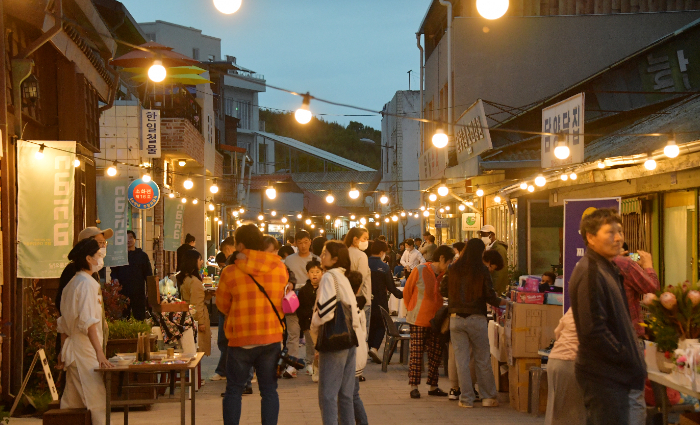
{"points": [[45, 207], [112, 210], [173, 219], [471, 133], [150, 133], [566, 118]]}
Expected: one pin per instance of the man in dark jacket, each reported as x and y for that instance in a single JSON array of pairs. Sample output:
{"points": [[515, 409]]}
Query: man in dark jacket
{"points": [[132, 278], [189, 244], [498, 277], [609, 362]]}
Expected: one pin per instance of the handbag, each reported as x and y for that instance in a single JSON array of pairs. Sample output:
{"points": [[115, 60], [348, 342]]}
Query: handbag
{"points": [[337, 334], [290, 303]]}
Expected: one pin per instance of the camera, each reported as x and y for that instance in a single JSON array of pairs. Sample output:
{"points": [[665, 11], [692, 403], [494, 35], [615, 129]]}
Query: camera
{"points": [[286, 360]]}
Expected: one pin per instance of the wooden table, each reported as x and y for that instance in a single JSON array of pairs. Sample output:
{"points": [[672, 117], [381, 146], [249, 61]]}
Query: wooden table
{"points": [[666, 380], [172, 369]]}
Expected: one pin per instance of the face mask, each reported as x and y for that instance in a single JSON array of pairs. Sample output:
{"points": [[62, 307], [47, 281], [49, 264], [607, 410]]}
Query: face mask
{"points": [[103, 252], [363, 245], [382, 256], [97, 267], [487, 240]]}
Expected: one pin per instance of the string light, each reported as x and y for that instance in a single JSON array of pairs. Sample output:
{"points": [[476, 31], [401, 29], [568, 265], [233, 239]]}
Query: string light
{"points": [[492, 9], [523, 185], [573, 176], [112, 171], [214, 188], [497, 199], [671, 150], [286, 226], [422, 207], [462, 207], [195, 201], [403, 213], [447, 207], [188, 184], [531, 188], [601, 164], [376, 223], [443, 190], [363, 221], [337, 222], [328, 217], [157, 71], [479, 191], [384, 199], [442, 210], [394, 218], [313, 226], [426, 213], [440, 138], [562, 151], [233, 213], [284, 219], [432, 197], [227, 7], [184, 200], [40, 152], [352, 217], [273, 213], [182, 162], [354, 193], [386, 219], [308, 221], [376, 215], [650, 164], [171, 195], [211, 208], [540, 180], [303, 114], [270, 192], [242, 210], [146, 177], [330, 198], [261, 217], [320, 231], [565, 177], [299, 216], [76, 163]]}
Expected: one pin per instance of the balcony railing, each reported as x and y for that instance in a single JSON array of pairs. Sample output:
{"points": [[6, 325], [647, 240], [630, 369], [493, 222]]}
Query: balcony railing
{"points": [[177, 103]]}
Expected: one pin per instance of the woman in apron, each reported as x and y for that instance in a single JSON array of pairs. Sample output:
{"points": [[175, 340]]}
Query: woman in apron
{"points": [[81, 327]]}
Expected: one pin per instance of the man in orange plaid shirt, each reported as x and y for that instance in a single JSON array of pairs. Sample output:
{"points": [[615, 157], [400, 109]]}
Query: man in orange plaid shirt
{"points": [[253, 330]]}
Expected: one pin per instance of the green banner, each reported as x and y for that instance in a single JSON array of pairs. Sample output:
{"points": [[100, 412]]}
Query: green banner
{"points": [[46, 189], [112, 211], [172, 223]]}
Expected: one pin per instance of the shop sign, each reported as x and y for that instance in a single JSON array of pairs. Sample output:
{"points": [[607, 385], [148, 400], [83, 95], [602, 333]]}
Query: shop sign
{"points": [[113, 211], [471, 133], [143, 195], [442, 223], [471, 221], [45, 211], [574, 247], [150, 133], [431, 164], [565, 117], [173, 218]]}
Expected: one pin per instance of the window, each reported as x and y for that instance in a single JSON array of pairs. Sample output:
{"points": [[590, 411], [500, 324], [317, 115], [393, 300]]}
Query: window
{"points": [[195, 53], [212, 58]]}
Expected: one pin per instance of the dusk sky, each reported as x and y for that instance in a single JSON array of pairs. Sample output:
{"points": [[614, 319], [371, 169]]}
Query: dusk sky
{"points": [[356, 52]]}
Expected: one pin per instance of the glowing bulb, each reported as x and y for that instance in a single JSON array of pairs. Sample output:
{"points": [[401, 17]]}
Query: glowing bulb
{"points": [[565, 177], [313, 226], [562, 151], [308, 221], [540, 181], [227, 7], [394, 218], [273, 213], [439, 139], [320, 231], [376, 223], [443, 190], [284, 219], [211, 208], [195, 201], [479, 191], [492, 9], [671, 150], [573, 176], [497, 199], [112, 171], [330, 198], [338, 223], [286, 226], [442, 210], [462, 207], [432, 197], [650, 164], [601, 164], [182, 163], [157, 71], [386, 219], [376, 216], [242, 210], [422, 207], [76, 163], [363, 221], [328, 217], [354, 193], [384, 199], [403, 213], [188, 184], [426, 213], [523, 185], [261, 217], [271, 192], [352, 217], [531, 188], [146, 177], [303, 114], [214, 188], [184, 200], [171, 195], [447, 208], [234, 213], [299, 216]]}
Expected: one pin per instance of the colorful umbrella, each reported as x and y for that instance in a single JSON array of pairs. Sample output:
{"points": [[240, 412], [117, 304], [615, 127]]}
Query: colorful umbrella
{"points": [[152, 51], [188, 79], [173, 70]]}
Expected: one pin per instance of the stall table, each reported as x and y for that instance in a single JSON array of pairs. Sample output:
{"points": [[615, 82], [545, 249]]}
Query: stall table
{"points": [[666, 381], [123, 372]]}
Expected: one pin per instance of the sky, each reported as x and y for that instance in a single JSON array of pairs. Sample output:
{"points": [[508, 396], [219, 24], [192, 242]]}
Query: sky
{"points": [[354, 52]]}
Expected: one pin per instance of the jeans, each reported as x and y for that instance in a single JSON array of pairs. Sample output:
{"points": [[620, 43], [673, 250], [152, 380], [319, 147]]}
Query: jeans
{"points": [[310, 349], [472, 333], [398, 270], [368, 314], [293, 334], [638, 407], [238, 367], [360, 414], [606, 403], [336, 385], [222, 343]]}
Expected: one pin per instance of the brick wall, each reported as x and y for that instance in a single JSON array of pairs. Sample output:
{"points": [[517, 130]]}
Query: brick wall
{"points": [[219, 164], [179, 136]]}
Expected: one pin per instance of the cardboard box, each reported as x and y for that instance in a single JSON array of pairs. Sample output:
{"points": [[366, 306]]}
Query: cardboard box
{"points": [[497, 341], [519, 385], [529, 297], [529, 328], [500, 373]]}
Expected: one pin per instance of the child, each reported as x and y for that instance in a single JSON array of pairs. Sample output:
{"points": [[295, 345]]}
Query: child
{"points": [[361, 354], [307, 299]]}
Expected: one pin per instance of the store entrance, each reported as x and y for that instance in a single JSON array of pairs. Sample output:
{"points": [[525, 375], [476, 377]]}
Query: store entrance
{"points": [[680, 237]]}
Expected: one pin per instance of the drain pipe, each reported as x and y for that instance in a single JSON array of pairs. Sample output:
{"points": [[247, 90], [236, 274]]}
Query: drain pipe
{"points": [[421, 88], [450, 131]]}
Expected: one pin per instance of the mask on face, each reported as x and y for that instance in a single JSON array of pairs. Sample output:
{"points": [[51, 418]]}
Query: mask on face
{"points": [[382, 256], [103, 252], [94, 268], [487, 240], [363, 245]]}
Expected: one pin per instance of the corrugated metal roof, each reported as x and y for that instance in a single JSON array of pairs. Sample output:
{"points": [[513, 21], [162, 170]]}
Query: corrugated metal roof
{"points": [[320, 153]]}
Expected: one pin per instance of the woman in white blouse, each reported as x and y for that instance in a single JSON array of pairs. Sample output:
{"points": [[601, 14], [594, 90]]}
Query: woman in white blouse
{"points": [[80, 326]]}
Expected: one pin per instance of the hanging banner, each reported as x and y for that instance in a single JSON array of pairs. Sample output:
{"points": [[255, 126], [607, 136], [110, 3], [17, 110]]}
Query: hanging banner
{"points": [[174, 215], [471, 221], [472, 133], [565, 117], [112, 212], [574, 247], [150, 133], [143, 195], [45, 223]]}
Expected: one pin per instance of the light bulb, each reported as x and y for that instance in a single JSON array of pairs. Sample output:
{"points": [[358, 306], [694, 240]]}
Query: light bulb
{"points": [[261, 217], [432, 197], [313, 226], [562, 151], [497, 199], [384, 199], [531, 188], [573, 176], [330, 198], [394, 218], [286, 226], [188, 184], [492, 9], [540, 180], [271, 192], [308, 221], [439, 139], [183, 200], [443, 190], [422, 207], [211, 208], [76, 163], [403, 213], [479, 191], [234, 213], [376, 223], [442, 210], [426, 213], [338, 223], [214, 188], [462, 207], [146, 177], [447, 208], [601, 164], [363, 221], [299, 216], [182, 163], [171, 195], [376, 216], [328, 217], [242, 210], [273, 213], [320, 231], [227, 7], [523, 185], [352, 216], [303, 114], [40, 153], [470, 203], [112, 171], [157, 71], [386, 219], [195, 201], [671, 150], [565, 177], [284, 219], [354, 193], [650, 164]]}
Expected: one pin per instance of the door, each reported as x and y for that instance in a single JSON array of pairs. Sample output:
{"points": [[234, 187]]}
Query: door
{"points": [[680, 238]]}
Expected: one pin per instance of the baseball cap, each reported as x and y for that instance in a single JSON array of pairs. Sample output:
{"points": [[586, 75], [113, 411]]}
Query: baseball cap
{"points": [[90, 232], [488, 228]]}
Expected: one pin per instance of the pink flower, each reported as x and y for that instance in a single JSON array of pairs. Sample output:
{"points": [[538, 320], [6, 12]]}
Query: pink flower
{"points": [[649, 299], [694, 297], [668, 300]]}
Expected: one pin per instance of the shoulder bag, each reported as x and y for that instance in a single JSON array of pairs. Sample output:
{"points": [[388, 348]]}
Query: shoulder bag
{"points": [[282, 323], [337, 334]]}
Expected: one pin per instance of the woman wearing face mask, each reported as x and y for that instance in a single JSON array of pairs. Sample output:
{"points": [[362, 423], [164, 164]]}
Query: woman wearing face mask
{"points": [[80, 326], [357, 241]]}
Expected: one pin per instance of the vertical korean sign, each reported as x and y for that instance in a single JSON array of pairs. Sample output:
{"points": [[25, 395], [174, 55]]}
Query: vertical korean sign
{"points": [[172, 226], [574, 247], [112, 211], [565, 118], [472, 134], [46, 189], [150, 133]]}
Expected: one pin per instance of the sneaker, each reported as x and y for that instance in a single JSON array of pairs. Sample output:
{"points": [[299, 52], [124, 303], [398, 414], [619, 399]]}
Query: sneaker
{"points": [[374, 356], [248, 390], [415, 394], [437, 392], [310, 370], [454, 394], [217, 377], [290, 372], [489, 402], [465, 405], [362, 378], [314, 377]]}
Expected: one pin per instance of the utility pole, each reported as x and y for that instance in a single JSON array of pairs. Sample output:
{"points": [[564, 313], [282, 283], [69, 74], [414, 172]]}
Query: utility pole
{"points": [[409, 79]]}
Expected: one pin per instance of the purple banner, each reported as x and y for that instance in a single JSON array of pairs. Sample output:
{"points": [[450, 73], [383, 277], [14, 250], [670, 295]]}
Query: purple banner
{"points": [[574, 247]]}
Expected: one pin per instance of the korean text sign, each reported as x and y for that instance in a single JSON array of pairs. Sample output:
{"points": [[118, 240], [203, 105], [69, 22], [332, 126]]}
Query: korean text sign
{"points": [[566, 118], [112, 210], [150, 133], [172, 224], [143, 195], [471, 133]]}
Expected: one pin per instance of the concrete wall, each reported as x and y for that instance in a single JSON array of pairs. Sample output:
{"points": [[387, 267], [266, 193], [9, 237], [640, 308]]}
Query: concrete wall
{"points": [[183, 39]]}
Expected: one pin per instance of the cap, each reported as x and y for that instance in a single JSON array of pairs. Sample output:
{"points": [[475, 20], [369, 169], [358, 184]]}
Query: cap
{"points": [[90, 232], [488, 228]]}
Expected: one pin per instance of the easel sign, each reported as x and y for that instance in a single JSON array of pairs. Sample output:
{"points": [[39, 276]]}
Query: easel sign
{"points": [[41, 356]]}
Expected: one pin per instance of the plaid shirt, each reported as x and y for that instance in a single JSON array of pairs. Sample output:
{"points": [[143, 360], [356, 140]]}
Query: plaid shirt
{"points": [[637, 282], [250, 319]]}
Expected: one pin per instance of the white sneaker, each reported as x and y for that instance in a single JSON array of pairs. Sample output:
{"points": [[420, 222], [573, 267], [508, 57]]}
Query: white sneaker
{"points": [[217, 377], [290, 372], [310, 370], [314, 377], [489, 402], [460, 404]]}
